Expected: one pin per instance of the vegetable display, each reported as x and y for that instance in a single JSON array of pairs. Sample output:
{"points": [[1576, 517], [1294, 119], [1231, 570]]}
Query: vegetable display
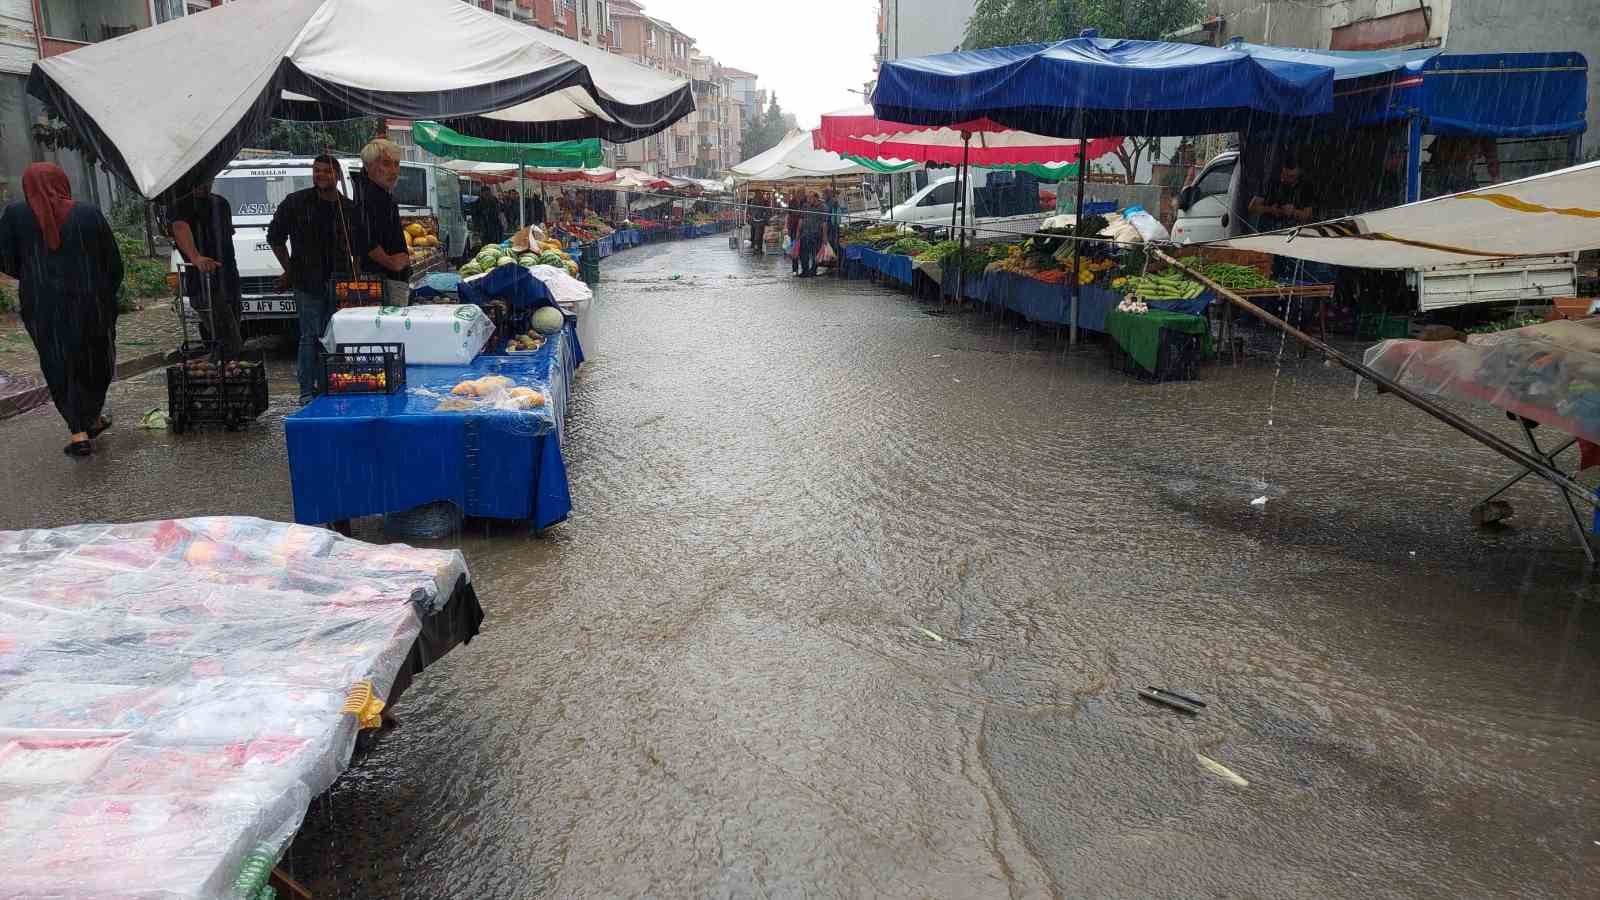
{"points": [[939, 252], [909, 246], [1166, 286], [1236, 277]]}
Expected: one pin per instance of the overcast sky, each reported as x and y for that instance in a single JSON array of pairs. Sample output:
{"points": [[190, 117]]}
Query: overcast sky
{"points": [[810, 52]]}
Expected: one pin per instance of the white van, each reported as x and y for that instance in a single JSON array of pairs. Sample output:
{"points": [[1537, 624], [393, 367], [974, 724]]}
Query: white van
{"points": [[255, 187], [934, 204], [1203, 206]]}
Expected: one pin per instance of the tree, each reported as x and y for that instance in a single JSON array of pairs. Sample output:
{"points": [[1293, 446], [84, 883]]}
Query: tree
{"points": [[765, 134], [312, 138], [998, 23]]}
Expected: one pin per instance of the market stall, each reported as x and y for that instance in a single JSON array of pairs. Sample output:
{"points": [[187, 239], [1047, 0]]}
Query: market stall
{"points": [[174, 694], [325, 60]]}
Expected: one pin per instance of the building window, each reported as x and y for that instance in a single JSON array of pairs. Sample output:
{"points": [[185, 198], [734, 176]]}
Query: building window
{"points": [[70, 20]]}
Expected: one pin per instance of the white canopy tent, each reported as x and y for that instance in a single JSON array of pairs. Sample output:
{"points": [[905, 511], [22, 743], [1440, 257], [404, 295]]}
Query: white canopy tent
{"points": [[792, 158], [1558, 212], [221, 75]]}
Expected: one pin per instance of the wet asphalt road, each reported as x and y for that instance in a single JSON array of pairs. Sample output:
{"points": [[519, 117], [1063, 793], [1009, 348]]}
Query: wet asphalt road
{"points": [[715, 679]]}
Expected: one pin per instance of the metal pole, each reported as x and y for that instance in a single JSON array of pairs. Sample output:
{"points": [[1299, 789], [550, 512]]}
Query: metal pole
{"points": [[1077, 245], [961, 274], [522, 191], [1493, 442]]}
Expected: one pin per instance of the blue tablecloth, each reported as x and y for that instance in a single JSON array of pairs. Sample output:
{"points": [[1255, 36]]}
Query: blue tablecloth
{"points": [[360, 455], [1038, 301], [605, 246], [514, 284], [891, 265]]}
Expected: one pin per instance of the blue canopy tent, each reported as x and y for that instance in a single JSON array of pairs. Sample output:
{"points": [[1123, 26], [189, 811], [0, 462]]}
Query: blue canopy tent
{"points": [[1093, 87]]}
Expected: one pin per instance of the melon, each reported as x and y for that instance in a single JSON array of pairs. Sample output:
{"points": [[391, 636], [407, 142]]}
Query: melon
{"points": [[548, 320], [506, 261], [572, 268], [416, 230], [527, 259], [471, 269], [549, 259], [489, 248]]}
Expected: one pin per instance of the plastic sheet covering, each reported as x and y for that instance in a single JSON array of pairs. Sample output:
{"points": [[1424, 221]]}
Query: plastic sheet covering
{"points": [[1547, 373], [170, 693]]}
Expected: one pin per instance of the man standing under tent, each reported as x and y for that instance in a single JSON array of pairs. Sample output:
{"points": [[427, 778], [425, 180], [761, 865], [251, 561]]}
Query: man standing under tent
{"points": [[486, 218], [316, 235], [835, 210], [373, 187], [535, 204], [1287, 201], [202, 227]]}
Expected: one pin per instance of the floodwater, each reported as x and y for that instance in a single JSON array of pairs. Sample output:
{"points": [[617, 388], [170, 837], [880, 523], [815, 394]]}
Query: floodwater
{"points": [[721, 677]]}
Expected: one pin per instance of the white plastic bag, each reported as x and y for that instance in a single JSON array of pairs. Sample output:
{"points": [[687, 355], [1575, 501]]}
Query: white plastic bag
{"points": [[1149, 228]]}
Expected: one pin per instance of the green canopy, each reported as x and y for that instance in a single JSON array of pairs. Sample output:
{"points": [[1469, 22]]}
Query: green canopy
{"points": [[451, 144], [879, 166]]}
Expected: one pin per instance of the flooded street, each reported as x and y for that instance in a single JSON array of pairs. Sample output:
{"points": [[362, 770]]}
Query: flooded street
{"points": [[856, 599]]}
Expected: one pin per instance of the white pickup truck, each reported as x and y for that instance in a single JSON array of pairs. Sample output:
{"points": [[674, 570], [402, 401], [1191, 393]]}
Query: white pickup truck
{"points": [[255, 187], [934, 204], [1208, 210]]}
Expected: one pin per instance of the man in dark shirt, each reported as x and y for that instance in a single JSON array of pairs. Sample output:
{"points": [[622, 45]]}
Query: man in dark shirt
{"points": [[486, 217], [202, 227], [315, 234], [1288, 200], [388, 260], [535, 204]]}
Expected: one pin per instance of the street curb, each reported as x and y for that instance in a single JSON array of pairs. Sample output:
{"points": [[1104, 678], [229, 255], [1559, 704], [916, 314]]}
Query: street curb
{"points": [[23, 401]]}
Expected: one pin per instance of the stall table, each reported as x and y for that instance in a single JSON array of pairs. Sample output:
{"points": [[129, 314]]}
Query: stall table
{"points": [[369, 454], [1147, 341], [173, 694], [1320, 294]]}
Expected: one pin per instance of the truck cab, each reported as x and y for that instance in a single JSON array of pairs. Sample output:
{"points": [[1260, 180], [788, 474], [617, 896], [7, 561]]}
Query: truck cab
{"points": [[255, 187], [1203, 206]]}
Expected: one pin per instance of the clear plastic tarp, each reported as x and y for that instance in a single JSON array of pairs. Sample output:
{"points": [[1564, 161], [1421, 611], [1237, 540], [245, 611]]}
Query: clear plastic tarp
{"points": [[1547, 373], [171, 694]]}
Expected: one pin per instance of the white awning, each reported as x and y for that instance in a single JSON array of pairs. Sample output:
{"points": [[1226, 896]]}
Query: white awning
{"points": [[1544, 215], [221, 74], [794, 157]]}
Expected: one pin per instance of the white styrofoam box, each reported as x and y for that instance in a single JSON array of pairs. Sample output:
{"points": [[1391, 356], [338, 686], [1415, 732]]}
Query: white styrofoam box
{"points": [[433, 335]]}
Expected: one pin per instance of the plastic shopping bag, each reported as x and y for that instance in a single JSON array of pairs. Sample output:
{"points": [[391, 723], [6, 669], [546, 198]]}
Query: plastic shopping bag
{"points": [[826, 256], [794, 249]]}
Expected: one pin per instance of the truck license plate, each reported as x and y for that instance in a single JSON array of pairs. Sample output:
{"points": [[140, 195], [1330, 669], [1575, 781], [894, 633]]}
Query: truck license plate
{"points": [[272, 306]]}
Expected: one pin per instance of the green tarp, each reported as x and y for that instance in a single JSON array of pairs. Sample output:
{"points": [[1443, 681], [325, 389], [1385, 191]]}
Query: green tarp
{"points": [[879, 166], [451, 144], [1140, 334], [1037, 170]]}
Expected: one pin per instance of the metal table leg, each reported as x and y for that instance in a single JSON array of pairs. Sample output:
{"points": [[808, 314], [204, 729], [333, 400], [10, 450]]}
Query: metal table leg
{"points": [[1566, 498]]}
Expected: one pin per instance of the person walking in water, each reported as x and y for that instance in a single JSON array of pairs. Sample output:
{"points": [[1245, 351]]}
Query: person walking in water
{"points": [[69, 270]]}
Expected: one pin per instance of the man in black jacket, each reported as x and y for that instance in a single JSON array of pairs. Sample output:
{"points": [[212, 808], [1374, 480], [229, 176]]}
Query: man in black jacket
{"points": [[316, 234]]}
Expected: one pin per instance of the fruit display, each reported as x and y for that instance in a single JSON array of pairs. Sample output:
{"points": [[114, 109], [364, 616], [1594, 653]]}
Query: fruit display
{"points": [[548, 320], [490, 392], [525, 343], [357, 382], [207, 369], [422, 238], [939, 252], [1133, 307]]}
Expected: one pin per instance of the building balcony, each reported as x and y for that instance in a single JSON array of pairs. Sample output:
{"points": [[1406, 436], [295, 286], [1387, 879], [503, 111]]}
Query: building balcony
{"points": [[65, 25]]}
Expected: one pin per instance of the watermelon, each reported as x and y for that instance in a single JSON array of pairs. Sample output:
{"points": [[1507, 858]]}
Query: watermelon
{"points": [[506, 261], [548, 320], [572, 268], [549, 259], [527, 259], [471, 269], [489, 248]]}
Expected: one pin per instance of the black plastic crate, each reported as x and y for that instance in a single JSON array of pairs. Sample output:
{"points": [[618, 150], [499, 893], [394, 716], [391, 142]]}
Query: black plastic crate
{"points": [[364, 369], [205, 392], [1177, 358]]}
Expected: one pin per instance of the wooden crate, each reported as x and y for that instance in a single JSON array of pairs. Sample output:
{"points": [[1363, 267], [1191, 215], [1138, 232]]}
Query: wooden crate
{"points": [[1571, 307]]}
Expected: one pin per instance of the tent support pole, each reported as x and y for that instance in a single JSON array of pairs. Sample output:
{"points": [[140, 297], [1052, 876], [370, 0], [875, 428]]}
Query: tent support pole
{"points": [[1521, 457], [961, 274], [522, 193], [1077, 245]]}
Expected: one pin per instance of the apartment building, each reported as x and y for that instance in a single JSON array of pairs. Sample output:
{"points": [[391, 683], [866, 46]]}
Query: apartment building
{"points": [[585, 21]]}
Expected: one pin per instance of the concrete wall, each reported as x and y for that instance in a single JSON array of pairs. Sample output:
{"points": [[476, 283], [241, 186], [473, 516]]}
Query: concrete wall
{"points": [[1489, 25], [1464, 26], [925, 26]]}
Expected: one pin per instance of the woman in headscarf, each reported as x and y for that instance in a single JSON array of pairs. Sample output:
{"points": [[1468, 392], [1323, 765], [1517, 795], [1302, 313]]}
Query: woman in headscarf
{"points": [[69, 268]]}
